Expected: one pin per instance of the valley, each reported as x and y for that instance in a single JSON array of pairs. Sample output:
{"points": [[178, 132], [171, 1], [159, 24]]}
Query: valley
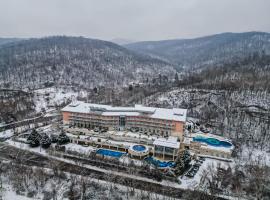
{"points": [[220, 81]]}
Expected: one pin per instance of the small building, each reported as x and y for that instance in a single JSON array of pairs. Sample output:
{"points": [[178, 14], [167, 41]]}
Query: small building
{"points": [[166, 148]]}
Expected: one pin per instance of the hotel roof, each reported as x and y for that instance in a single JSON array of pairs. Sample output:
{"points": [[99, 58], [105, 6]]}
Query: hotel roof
{"points": [[170, 142], [175, 114]]}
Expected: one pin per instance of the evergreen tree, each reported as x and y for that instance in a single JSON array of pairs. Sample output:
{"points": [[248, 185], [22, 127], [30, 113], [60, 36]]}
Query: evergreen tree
{"points": [[180, 166], [95, 90], [54, 138], [130, 87], [63, 138], [182, 162], [45, 141], [34, 138], [186, 157], [176, 79]]}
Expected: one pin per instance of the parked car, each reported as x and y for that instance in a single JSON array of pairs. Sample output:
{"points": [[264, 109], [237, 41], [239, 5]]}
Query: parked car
{"points": [[205, 131], [103, 130], [202, 158], [190, 174], [134, 129], [195, 168]]}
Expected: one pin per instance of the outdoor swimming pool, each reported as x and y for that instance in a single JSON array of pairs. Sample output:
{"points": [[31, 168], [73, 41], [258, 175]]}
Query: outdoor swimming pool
{"points": [[139, 148], [106, 152], [159, 163], [212, 141]]}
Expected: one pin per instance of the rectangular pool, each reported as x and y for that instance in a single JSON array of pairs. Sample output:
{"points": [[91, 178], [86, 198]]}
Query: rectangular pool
{"points": [[106, 152]]}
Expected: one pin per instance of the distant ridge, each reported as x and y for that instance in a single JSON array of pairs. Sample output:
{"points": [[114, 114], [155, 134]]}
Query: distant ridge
{"points": [[122, 41], [205, 50], [9, 40]]}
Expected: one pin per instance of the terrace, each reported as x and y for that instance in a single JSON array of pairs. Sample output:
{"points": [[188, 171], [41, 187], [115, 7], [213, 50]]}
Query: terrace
{"points": [[209, 145]]}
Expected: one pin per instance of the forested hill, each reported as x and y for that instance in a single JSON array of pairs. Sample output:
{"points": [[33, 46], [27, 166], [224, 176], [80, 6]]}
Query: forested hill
{"points": [[4, 41], [205, 51], [252, 73], [74, 61]]}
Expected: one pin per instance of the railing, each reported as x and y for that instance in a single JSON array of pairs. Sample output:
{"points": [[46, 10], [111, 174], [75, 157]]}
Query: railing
{"points": [[128, 119]]}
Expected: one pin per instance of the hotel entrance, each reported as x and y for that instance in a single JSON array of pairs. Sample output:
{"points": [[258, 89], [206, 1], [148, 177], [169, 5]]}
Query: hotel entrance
{"points": [[122, 123]]}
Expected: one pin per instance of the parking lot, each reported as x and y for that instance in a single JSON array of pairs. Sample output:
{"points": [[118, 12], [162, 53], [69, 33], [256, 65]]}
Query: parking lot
{"points": [[195, 167]]}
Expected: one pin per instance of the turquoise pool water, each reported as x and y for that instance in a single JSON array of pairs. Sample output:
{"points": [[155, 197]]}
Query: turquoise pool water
{"points": [[212, 141], [139, 148], [159, 163], [106, 152]]}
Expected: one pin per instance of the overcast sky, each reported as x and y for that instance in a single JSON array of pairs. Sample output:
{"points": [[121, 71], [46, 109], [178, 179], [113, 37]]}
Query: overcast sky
{"points": [[132, 19]]}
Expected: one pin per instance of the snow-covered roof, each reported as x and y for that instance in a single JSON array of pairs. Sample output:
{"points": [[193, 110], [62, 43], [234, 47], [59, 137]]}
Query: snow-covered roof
{"points": [[121, 113], [175, 114], [170, 142]]}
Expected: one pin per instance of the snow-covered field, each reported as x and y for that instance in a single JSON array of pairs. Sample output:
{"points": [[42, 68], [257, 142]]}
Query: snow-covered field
{"points": [[193, 183], [49, 97], [9, 194], [6, 134]]}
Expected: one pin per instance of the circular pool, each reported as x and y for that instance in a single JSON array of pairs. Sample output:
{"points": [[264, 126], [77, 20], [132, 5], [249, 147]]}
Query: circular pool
{"points": [[212, 141], [138, 150]]}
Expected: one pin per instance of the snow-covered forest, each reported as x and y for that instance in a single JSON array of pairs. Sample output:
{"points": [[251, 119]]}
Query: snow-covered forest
{"points": [[74, 61], [223, 81]]}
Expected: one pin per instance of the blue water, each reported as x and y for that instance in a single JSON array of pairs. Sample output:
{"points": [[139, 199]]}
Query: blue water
{"points": [[106, 152], [139, 148], [212, 141], [159, 163]]}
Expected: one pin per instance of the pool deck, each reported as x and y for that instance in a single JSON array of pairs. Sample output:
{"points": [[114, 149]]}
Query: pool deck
{"points": [[189, 138], [161, 163], [111, 153], [209, 135]]}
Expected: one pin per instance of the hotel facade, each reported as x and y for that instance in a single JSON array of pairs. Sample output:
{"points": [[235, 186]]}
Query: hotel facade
{"points": [[150, 120]]}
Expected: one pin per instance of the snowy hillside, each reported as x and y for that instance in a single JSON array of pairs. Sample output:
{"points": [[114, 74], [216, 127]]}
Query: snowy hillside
{"points": [[52, 97], [241, 115], [207, 50], [74, 61]]}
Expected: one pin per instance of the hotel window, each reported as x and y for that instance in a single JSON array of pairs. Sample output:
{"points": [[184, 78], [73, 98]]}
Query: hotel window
{"points": [[159, 148], [169, 150]]}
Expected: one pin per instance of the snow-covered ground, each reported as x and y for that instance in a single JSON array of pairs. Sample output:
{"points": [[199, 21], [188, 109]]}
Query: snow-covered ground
{"points": [[127, 134], [49, 97], [79, 148], [186, 183], [6, 134], [193, 183], [62, 187], [249, 154], [26, 147], [10, 194]]}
